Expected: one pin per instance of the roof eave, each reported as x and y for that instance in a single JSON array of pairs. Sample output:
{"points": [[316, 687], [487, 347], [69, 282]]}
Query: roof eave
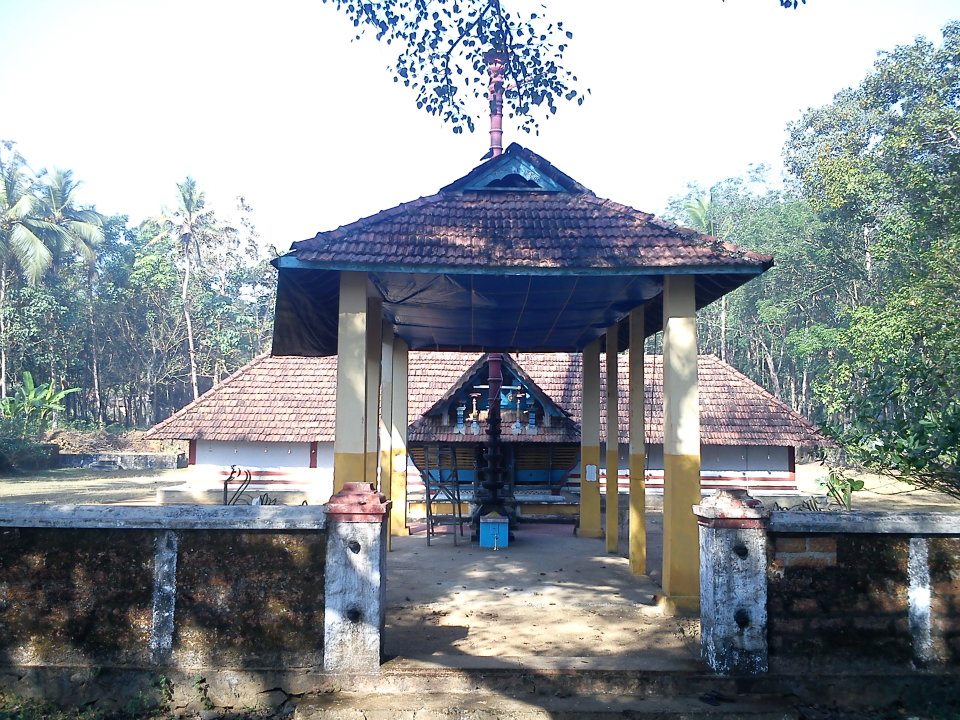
{"points": [[291, 262]]}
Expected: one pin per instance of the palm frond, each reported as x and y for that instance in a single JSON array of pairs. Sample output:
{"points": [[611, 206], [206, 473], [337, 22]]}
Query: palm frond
{"points": [[29, 252], [22, 209], [85, 237]]}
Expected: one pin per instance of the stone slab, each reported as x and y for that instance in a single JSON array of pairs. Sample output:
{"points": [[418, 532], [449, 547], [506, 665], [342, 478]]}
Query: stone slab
{"points": [[914, 523], [174, 517]]}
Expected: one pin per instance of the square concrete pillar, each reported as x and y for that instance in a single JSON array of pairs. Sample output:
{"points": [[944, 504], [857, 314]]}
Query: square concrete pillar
{"points": [[590, 444], [733, 582], [373, 354], [638, 448], [398, 440], [612, 513], [385, 424], [681, 445], [349, 444], [355, 580]]}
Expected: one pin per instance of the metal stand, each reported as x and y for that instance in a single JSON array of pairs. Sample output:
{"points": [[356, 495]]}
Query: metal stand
{"points": [[441, 484]]}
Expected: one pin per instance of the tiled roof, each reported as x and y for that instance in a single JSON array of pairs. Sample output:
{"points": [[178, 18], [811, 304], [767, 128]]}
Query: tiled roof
{"points": [[427, 428], [520, 230], [270, 399], [734, 410], [573, 229], [292, 399]]}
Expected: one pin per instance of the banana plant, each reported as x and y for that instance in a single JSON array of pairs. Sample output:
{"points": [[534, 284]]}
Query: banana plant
{"points": [[32, 405]]}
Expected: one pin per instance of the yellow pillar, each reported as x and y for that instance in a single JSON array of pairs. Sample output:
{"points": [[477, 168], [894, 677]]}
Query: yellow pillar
{"points": [[613, 444], [590, 443], [638, 448], [371, 441], [351, 429], [398, 441], [386, 413], [386, 409], [681, 445]]}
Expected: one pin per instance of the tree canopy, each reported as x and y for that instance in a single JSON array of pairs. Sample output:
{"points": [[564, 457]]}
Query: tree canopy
{"points": [[856, 323]]}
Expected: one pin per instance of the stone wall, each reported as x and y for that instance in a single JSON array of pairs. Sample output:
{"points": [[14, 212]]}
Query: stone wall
{"points": [[872, 588], [189, 605], [833, 591], [843, 597]]}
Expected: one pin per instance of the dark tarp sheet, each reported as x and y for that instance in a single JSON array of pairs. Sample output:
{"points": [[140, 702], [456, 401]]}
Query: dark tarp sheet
{"points": [[482, 313]]}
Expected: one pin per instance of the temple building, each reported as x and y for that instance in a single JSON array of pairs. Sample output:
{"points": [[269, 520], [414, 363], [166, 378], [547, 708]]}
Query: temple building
{"points": [[514, 257]]}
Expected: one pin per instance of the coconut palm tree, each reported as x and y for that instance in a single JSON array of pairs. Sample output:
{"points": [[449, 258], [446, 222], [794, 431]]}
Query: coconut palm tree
{"points": [[21, 230], [703, 216], [39, 222], [70, 227], [80, 230], [188, 224]]}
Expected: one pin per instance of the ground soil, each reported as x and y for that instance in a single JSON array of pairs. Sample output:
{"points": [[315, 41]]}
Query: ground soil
{"points": [[94, 441]]}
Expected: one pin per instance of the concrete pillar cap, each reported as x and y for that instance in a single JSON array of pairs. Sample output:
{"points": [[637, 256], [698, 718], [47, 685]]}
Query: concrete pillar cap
{"points": [[358, 502], [734, 504]]}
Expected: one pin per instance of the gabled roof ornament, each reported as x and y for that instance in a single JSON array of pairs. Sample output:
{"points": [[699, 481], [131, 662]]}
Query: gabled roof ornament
{"points": [[496, 66]]}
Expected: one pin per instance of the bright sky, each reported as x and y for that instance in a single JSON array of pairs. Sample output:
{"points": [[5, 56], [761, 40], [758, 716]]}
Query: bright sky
{"points": [[273, 101]]}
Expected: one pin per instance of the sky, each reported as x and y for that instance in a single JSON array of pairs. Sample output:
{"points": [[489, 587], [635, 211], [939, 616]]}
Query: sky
{"points": [[274, 101]]}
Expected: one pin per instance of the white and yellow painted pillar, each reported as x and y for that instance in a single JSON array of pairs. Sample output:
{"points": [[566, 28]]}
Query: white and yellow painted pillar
{"points": [[349, 444], [612, 515], [638, 448], [398, 441], [371, 441], [590, 443], [385, 424], [681, 445]]}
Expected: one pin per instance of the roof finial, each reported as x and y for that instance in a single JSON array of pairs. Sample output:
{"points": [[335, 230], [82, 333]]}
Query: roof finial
{"points": [[496, 65]]}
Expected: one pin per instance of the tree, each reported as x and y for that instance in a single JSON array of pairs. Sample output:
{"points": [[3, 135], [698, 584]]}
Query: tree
{"points": [[188, 225], [895, 394], [39, 222], [881, 164], [442, 46], [703, 217]]}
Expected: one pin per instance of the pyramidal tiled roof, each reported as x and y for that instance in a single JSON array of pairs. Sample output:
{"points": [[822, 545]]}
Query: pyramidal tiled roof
{"points": [[547, 221], [292, 399]]}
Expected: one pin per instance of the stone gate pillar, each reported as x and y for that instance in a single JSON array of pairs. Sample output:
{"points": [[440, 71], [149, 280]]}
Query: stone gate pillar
{"points": [[355, 580], [733, 582]]}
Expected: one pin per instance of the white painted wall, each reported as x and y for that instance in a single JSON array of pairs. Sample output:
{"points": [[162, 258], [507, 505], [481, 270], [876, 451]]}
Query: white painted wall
{"points": [[275, 466], [716, 458], [261, 455]]}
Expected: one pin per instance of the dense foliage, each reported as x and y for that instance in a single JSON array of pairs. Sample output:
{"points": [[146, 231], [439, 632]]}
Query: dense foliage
{"points": [[856, 325], [90, 302]]}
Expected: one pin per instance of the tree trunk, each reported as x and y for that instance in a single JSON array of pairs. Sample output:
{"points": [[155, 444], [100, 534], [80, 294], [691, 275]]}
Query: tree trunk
{"points": [[803, 392], [723, 328], [3, 330], [186, 317], [98, 409], [772, 369]]}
